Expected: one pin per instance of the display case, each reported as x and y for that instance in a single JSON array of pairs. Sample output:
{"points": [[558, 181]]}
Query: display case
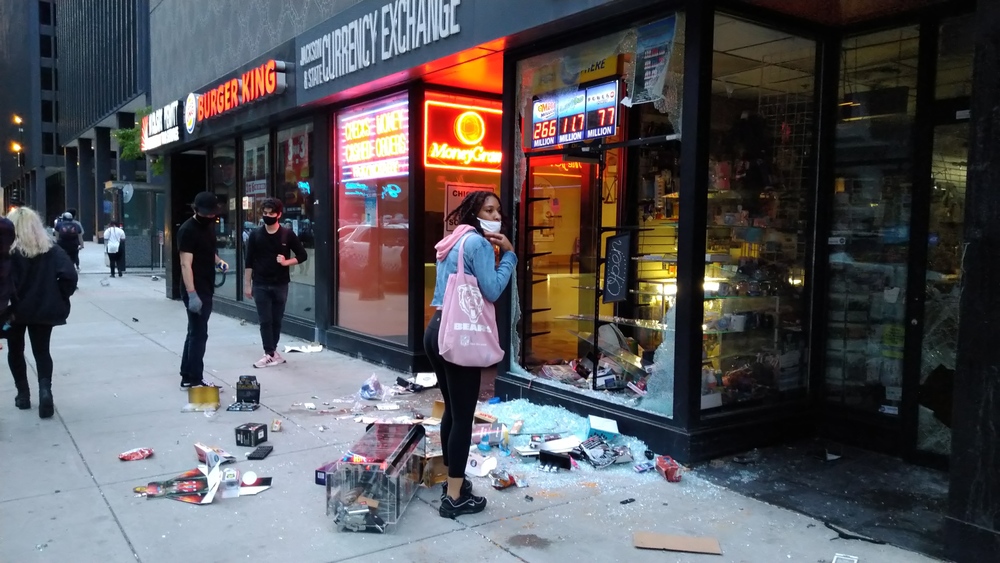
{"points": [[376, 479]]}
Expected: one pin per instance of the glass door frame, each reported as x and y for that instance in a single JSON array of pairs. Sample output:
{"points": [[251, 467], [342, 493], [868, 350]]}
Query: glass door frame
{"points": [[898, 435]]}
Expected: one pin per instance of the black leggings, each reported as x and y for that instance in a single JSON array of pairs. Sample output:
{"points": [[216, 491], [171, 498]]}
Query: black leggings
{"points": [[40, 336], [460, 389]]}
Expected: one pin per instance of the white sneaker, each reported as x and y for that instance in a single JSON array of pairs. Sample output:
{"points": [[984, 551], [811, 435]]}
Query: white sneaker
{"points": [[265, 362], [277, 358]]}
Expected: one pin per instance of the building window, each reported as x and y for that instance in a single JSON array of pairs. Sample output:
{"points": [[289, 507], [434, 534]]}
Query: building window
{"points": [[45, 46], [373, 193], [48, 78], [605, 334], [754, 343], [223, 178], [295, 190], [48, 111], [48, 143], [45, 13]]}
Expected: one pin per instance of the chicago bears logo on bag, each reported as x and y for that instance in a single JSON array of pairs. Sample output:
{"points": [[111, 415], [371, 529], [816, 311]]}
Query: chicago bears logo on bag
{"points": [[471, 302]]}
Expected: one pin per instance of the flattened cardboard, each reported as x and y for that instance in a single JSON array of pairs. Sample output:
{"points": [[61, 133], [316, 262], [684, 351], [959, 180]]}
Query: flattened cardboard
{"points": [[686, 544], [438, 410]]}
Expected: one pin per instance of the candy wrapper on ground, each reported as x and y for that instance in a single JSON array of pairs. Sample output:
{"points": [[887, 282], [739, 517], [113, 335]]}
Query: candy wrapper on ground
{"points": [[135, 454], [501, 479]]}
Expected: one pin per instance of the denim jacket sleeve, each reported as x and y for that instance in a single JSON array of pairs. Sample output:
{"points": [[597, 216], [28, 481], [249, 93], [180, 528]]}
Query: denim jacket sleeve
{"points": [[480, 258]]}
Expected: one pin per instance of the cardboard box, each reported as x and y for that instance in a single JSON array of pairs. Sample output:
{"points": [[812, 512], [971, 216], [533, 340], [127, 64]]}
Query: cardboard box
{"points": [[685, 544], [438, 410], [251, 434], [433, 471], [603, 427]]}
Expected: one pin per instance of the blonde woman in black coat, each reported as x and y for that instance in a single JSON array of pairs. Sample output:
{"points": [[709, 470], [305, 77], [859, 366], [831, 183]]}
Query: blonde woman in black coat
{"points": [[43, 278]]}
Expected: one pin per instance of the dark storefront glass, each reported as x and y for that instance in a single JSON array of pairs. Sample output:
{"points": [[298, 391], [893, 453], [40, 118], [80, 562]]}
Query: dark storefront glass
{"points": [[869, 240], [945, 240], [450, 175], [372, 156], [223, 178], [574, 208], [754, 342], [256, 179], [295, 190]]}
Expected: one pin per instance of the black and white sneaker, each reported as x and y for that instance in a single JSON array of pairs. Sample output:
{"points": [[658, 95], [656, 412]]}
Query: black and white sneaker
{"points": [[466, 489], [466, 504], [187, 384]]}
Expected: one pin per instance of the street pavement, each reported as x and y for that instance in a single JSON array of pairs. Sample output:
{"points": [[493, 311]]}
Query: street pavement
{"points": [[65, 496]]}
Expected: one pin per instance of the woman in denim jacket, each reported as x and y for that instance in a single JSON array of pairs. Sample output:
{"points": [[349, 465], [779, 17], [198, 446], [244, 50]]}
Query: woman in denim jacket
{"points": [[479, 222]]}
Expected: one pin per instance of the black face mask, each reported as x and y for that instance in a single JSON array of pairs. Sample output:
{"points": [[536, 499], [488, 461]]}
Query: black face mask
{"points": [[204, 220], [269, 220]]}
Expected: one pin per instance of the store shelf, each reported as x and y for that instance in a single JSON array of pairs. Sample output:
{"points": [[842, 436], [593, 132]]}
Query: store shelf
{"points": [[638, 323]]}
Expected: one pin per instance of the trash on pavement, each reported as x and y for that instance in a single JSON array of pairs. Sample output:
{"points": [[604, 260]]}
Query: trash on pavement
{"points": [[248, 389], [627, 501], [479, 465], [552, 461], [603, 427], [305, 348], [251, 434], [686, 544], [135, 454], [202, 399], [371, 389], [668, 468], [501, 479], [484, 417], [276, 425], [201, 485], [202, 452], [644, 466], [841, 558], [387, 406]]}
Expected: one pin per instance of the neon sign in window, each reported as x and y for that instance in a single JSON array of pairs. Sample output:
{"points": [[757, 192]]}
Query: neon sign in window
{"points": [[374, 140]]}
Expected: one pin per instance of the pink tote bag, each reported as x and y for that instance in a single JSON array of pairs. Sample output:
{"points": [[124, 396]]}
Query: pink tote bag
{"points": [[468, 335]]}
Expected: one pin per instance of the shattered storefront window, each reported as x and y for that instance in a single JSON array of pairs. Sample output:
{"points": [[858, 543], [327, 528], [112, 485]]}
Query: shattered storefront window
{"points": [[568, 333]]}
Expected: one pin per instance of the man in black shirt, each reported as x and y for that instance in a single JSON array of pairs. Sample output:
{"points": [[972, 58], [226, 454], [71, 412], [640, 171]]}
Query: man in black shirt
{"points": [[199, 259], [266, 278]]}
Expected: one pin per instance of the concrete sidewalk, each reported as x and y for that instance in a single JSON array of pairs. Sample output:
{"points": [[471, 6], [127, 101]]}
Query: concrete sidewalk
{"points": [[65, 495]]}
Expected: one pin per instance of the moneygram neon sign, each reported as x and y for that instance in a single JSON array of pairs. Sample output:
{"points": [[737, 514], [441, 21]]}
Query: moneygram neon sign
{"points": [[462, 137]]}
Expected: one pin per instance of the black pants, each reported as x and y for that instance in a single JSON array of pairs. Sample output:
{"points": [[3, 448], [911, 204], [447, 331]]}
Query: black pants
{"points": [[40, 336], [117, 260], [460, 389], [270, 301], [73, 250], [193, 357]]}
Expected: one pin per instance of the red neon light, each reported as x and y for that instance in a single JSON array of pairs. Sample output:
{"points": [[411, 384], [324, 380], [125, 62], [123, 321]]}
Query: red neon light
{"points": [[462, 137]]}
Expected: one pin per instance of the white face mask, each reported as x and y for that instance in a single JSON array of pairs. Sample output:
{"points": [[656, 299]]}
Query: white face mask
{"points": [[490, 226]]}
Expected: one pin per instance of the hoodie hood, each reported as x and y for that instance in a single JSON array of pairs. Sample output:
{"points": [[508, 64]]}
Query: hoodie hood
{"points": [[447, 243]]}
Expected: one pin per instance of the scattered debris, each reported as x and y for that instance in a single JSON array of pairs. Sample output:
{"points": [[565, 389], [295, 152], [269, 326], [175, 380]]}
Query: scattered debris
{"points": [[202, 399], [135, 320], [627, 501], [200, 486], [841, 558], [251, 434], [748, 458], [685, 544], [371, 389], [305, 349], [844, 534], [154, 278], [501, 479], [668, 468], [479, 465], [276, 425], [529, 498], [387, 406], [136, 454], [105, 282]]}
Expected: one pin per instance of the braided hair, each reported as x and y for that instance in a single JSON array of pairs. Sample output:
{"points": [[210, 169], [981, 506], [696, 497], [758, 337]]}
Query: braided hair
{"points": [[467, 212]]}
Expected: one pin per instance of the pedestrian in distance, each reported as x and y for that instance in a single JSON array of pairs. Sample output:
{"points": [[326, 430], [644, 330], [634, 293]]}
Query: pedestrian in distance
{"points": [[114, 245], [69, 237], [199, 260], [479, 229], [43, 279], [269, 255]]}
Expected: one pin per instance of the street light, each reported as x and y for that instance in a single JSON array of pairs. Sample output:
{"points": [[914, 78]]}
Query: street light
{"points": [[17, 119]]}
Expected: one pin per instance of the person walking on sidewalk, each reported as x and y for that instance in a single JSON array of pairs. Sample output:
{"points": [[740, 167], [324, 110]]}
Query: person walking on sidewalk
{"points": [[479, 224], [266, 278], [43, 279], [199, 260], [114, 245], [69, 236]]}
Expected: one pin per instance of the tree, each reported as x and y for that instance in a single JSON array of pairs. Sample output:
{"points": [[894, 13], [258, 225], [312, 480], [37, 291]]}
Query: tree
{"points": [[130, 143]]}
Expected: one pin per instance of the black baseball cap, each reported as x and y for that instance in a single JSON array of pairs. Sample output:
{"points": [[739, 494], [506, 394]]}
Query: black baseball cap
{"points": [[206, 203]]}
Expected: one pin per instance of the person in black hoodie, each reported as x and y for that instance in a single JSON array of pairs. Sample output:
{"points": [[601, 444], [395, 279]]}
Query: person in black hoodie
{"points": [[43, 278]]}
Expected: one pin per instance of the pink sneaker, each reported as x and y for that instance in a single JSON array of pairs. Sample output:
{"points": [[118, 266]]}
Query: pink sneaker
{"points": [[265, 362], [277, 358]]}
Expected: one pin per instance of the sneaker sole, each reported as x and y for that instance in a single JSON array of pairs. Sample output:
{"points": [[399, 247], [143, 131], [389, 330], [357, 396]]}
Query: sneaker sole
{"points": [[445, 513]]}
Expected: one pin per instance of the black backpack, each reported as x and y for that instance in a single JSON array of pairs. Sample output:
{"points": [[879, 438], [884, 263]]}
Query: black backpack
{"points": [[69, 231]]}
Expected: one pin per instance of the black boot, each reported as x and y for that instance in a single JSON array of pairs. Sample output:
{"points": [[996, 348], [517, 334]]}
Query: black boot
{"points": [[23, 398], [45, 406]]}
